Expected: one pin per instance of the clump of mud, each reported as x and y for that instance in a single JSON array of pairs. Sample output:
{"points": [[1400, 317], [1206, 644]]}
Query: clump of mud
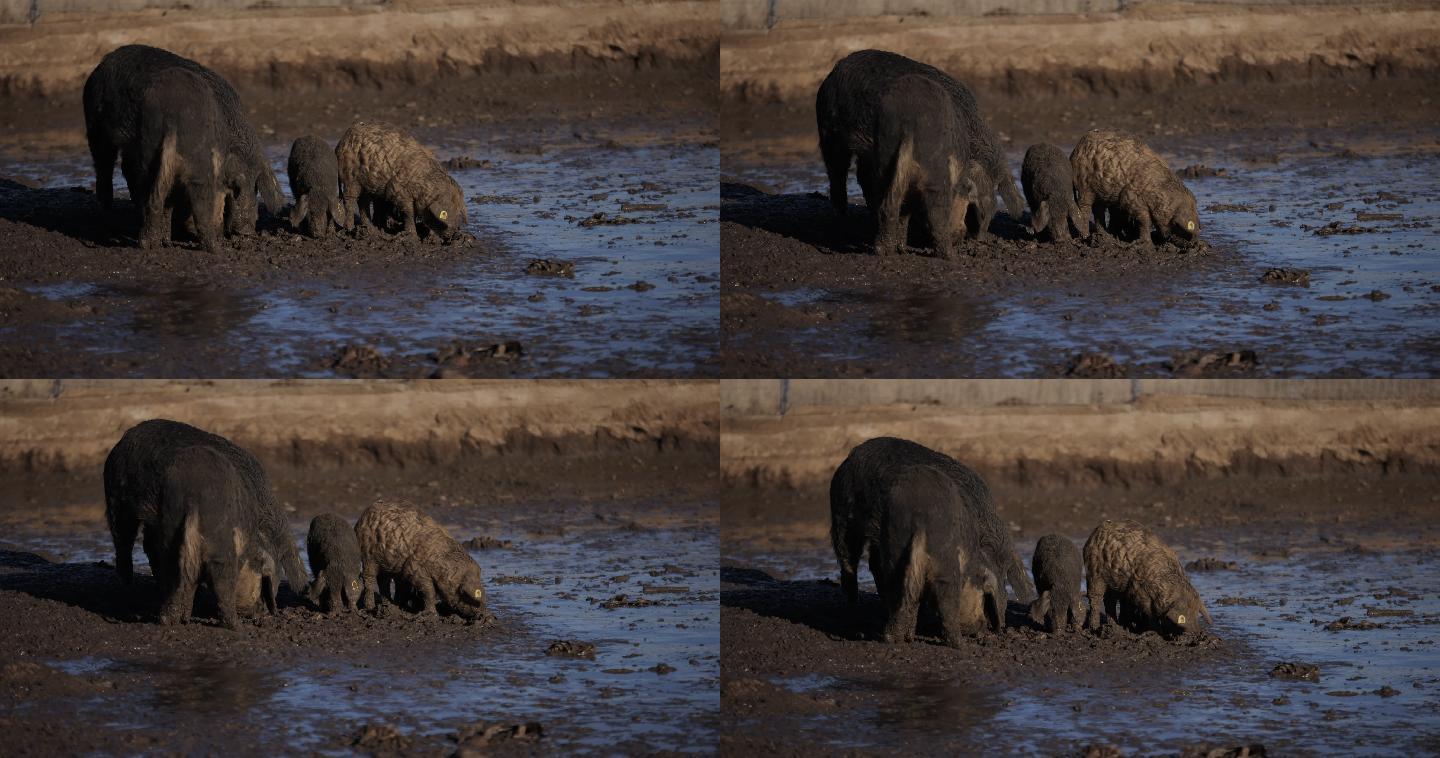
{"points": [[1196, 363], [571, 649], [1294, 670]]}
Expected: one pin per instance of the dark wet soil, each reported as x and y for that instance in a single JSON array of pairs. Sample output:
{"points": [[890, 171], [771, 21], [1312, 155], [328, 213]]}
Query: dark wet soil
{"points": [[778, 245], [1273, 166], [83, 648], [1281, 564], [281, 304]]}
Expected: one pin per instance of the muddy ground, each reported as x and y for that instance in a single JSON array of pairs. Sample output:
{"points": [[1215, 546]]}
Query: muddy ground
{"points": [[1304, 570], [1288, 175], [80, 298], [618, 552]]}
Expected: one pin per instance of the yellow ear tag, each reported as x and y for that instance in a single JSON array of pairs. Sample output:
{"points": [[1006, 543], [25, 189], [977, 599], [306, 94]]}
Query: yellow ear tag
{"points": [[1180, 619], [442, 218], [478, 593], [1188, 225]]}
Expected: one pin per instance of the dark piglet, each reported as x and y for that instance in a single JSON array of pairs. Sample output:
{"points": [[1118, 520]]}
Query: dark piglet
{"points": [[1118, 176], [112, 99], [1050, 191], [862, 76], [136, 474], [335, 562], [1135, 579], [315, 183], [174, 159], [386, 172], [399, 543], [933, 536], [1057, 567]]}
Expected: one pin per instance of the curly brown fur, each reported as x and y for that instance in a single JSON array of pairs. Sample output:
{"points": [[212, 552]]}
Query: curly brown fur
{"points": [[931, 529], [1050, 191], [399, 542], [1135, 578], [1057, 567], [335, 562], [112, 99], [315, 183], [134, 481], [381, 164], [1116, 174], [860, 77]]}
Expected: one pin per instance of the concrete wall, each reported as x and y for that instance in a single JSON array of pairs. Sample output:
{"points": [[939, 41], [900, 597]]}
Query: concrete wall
{"points": [[763, 14], [778, 396], [31, 11]]}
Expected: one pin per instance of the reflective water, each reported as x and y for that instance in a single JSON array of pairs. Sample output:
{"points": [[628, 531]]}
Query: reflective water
{"points": [[1370, 309]]}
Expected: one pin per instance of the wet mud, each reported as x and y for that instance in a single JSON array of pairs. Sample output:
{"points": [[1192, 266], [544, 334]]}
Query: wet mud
{"points": [[642, 298], [1324, 636], [645, 679], [1351, 207]]}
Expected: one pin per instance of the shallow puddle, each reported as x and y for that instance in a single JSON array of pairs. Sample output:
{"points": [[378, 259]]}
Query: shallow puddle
{"points": [[644, 297], [653, 683], [1365, 228], [1378, 691]]}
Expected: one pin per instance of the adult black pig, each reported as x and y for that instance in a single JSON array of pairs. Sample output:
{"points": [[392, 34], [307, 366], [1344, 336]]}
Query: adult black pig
{"points": [[136, 473], [854, 87], [174, 160], [910, 153], [932, 531], [112, 99], [202, 524]]}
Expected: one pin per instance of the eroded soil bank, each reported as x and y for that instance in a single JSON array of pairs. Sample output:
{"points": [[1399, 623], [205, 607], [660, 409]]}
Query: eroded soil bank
{"points": [[617, 550], [608, 176], [1332, 180]]}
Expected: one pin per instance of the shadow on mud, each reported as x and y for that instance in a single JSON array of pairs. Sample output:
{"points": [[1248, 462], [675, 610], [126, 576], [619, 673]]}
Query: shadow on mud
{"points": [[96, 588], [71, 211], [810, 219], [821, 606]]}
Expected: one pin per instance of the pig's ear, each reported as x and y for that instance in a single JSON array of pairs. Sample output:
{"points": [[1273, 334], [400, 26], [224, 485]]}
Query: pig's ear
{"points": [[300, 210], [269, 187], [1041, 218], [1040, 607]]}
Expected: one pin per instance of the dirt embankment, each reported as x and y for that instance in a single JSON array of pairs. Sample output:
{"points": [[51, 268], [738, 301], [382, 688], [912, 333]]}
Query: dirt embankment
{"points": [[1148, 47], [67, 425], [1157, 440], [1177, 462], [402, 43], [338, 445]]}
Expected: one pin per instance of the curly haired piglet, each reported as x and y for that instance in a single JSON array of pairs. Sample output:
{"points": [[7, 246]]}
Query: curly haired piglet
{"points": [[1116, 172], [1137, 580], [398, 542], [387, 170]]}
